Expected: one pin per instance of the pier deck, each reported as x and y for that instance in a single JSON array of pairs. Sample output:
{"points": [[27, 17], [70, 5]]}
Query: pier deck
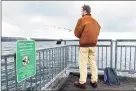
{"points": [[127, 84]]}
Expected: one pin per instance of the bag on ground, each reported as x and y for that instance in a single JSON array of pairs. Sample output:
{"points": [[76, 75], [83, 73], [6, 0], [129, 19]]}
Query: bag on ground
{"points": [[110, 76]]}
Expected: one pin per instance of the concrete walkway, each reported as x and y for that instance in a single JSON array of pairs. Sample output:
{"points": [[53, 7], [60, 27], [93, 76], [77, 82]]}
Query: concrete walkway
{"points": [[126, 84]]}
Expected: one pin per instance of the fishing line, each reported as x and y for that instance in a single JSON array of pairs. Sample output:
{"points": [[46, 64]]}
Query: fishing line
{"points": [[58, 27]]}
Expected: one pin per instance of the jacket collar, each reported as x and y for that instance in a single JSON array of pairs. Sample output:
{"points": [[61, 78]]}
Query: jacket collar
{"points": [[87, 15]]}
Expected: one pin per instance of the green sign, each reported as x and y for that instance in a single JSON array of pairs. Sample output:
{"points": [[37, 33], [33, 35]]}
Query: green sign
{"points": [[25, 59]]}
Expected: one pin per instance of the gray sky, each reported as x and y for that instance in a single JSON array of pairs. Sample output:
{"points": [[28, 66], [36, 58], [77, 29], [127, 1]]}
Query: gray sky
{"points": [[28, 18]]}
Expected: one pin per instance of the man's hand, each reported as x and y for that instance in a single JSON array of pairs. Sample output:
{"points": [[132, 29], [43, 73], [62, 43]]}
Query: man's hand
{"points": [[78, 29]]}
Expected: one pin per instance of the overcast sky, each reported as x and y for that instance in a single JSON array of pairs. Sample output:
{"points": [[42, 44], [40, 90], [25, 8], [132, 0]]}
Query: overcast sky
{"points": [[28, 18]]}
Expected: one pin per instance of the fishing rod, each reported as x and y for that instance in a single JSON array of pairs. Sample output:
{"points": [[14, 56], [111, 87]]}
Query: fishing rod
{"points": [[59, 27]]}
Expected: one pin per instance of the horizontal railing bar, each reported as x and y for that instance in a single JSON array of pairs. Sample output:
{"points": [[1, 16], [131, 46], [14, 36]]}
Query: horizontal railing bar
{"points": [[12, 55], [87, 68], [52, 48], [126, 46], [104, 68], [98, 40], [126, 40], [7, 55], [103, 46], [134, 71], [97, 45]]}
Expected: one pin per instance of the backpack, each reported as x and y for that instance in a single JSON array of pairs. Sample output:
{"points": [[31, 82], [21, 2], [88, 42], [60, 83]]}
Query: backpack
{"points": [[110, 76]]}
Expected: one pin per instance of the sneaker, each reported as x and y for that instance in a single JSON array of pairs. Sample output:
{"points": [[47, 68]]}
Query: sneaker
{"points": [[77, 84], [94, 85]]}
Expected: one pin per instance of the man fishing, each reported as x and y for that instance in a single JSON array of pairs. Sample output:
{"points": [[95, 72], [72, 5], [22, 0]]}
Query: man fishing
{"points": [[87, 30]]}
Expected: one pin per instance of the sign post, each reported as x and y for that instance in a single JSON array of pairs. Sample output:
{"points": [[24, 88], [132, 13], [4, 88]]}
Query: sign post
{"points": [[25, 59]]}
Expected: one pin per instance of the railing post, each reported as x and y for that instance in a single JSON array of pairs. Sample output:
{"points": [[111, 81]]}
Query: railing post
{"points": [[15, 72], [135, 60], [40, 67], [71, 57], [36, 75], [67, 56], [6, 73], [43, 65], [116, 41], [111, 54], [52, 62], [65, 43], [24, 85], [75, 56]]}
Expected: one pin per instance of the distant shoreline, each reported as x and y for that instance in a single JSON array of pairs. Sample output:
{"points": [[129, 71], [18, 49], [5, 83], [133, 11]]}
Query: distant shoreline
{"points": [[12, 39]]}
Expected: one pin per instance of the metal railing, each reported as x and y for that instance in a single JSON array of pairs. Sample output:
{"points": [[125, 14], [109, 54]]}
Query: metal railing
{"points": [[103, 54], [125, 55], [49, 63], [53, 61]]}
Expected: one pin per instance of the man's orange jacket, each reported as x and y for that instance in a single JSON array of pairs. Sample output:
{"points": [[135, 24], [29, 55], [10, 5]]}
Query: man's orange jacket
{"points": [[87, 29]]}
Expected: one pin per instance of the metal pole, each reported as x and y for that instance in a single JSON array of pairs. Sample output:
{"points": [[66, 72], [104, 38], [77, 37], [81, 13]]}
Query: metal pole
{"points": [[65, 42], [111, 54], [24, 85], [116, 54]]}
